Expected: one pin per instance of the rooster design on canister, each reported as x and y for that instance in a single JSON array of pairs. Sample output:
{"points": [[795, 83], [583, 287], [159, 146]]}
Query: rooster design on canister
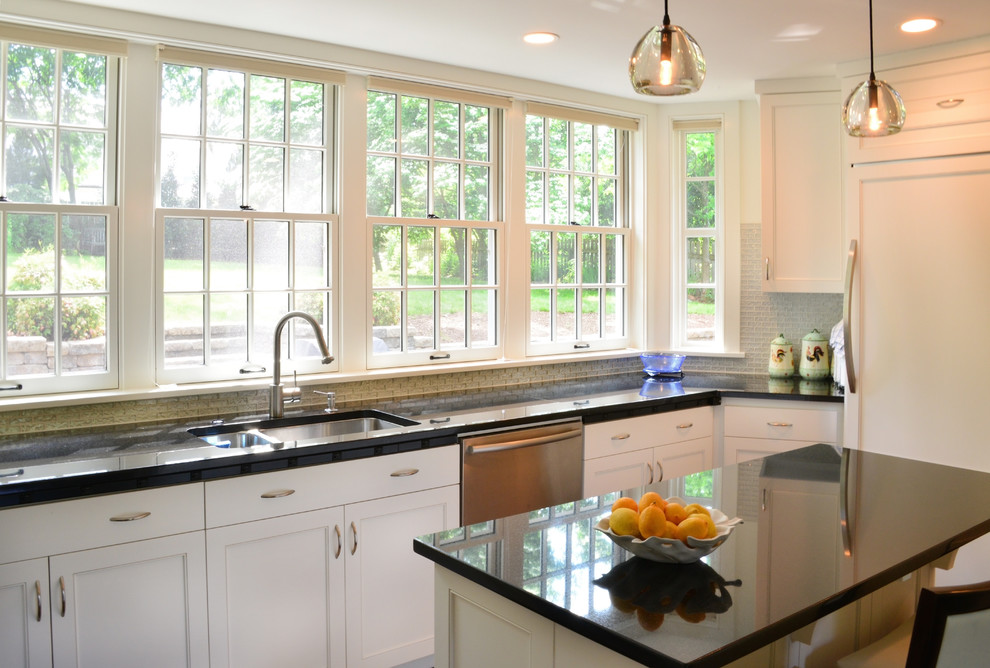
{"points": [[816, 355]]}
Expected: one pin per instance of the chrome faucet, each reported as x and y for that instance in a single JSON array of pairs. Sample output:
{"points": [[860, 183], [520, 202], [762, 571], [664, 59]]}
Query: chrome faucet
{"points": [[279, 395]]}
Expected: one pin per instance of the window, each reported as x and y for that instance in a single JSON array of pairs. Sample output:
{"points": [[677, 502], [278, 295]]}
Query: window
{"points": [[59, 214], [435, 285], [579, 235], [698, 303], [244, 229]]}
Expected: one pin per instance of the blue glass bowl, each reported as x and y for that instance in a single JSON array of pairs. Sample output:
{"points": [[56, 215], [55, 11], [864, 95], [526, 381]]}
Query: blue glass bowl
{"points": [[662, 363]]}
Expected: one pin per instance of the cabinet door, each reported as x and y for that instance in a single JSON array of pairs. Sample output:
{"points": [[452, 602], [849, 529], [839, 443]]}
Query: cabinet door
{"points": [[389, 588], [25, 623], [736, 449], [803, 233], [618, 472], [680, 459], [276, 591], [138, 604]]}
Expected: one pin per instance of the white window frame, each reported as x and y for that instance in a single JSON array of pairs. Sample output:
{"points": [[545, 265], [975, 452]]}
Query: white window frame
{"points": [[60, 381], [623, 229], [441, 353], [259, 365], [680, 234]]}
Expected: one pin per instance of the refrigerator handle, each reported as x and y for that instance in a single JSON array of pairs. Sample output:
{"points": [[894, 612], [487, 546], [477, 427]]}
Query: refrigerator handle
{"points": [[846, 318]]}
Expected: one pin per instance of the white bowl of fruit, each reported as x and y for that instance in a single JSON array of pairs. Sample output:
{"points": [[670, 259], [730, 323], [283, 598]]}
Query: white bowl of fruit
{"points": [[667, 530]]}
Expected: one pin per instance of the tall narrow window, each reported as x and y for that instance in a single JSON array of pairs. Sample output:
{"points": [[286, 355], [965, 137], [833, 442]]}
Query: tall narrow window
{"points": [[434, 213], [59, 218], [579, 235], [244, 224], [698, 300]]}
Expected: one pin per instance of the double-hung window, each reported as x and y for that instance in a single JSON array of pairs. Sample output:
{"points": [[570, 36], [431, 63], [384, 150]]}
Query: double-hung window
{"points": [[59, 211], [434, 212], [698, 300], [245, 221], [577, 218]]}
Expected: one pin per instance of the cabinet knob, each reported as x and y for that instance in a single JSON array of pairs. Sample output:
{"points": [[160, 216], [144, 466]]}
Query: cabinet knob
{"points": [[130, 517], [686, 425], [620, 437], [403, 473]]}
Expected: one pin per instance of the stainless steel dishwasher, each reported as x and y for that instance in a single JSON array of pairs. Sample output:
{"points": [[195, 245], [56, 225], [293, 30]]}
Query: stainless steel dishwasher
{"points": [[510, 471]]}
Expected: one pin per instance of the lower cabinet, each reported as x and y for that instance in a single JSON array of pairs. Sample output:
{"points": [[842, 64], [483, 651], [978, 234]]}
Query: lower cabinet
{"points": [[25, 620], [136, 604], [276, 591], [754, 429], [333, 586]]}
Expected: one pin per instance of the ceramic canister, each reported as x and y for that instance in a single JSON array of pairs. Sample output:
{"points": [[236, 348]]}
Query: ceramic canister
{"points": [[814, 356], [781, 358]]}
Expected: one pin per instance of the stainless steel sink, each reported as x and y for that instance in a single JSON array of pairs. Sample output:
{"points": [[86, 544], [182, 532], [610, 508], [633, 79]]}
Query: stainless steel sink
{"points": [[275, 432]]}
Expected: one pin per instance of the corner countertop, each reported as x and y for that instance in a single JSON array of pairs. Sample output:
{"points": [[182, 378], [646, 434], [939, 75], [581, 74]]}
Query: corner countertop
{"points": [[854, 515], [60, 465]]}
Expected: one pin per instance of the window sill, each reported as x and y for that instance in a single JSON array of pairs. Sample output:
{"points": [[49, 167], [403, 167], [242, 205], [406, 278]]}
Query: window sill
{"points": [[728, 354], [262, 383]]}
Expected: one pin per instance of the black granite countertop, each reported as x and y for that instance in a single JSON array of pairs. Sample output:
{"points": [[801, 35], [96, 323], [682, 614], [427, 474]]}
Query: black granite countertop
{"points": [[59, 465], [744, 595]]}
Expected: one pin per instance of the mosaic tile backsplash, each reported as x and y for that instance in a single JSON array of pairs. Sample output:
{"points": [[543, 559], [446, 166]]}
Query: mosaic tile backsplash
{"points": [[762, 317]]}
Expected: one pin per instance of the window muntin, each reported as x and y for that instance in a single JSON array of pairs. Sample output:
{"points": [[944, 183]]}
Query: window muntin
{"points": [[698, 300], [435, 285], [58, 218], [243, 229], [575, 177]]}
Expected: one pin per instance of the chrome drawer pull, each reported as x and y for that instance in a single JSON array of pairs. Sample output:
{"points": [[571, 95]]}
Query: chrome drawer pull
{"points": [[354, 531], [402, 473], [12, 474], [620, 437], [779, 424], [340, 541], [950, 103], [61, 589], [37, 598], [687, 425], [278, 493], [130, 517]]}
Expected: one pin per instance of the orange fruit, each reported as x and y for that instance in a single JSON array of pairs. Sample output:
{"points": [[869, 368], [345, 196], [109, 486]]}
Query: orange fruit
{"points": [[671, 531], [651, 498], [625, 502], [694, 508], [624, 522], [650, 621], [712, 529], [621, 604], [693, 525], [692, 617], [675, 512], [652, 521]]}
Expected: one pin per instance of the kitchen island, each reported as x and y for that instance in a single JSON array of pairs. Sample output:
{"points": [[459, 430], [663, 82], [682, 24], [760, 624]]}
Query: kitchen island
{"points": [[841, 538]]}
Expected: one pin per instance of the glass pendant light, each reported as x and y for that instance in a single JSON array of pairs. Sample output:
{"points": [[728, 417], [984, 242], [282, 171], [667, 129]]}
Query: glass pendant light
{"points": [[873, 109], [667, 61]]}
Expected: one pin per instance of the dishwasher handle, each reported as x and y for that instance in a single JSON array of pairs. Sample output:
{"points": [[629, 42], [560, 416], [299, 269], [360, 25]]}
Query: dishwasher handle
{"points": [[523, 442]]}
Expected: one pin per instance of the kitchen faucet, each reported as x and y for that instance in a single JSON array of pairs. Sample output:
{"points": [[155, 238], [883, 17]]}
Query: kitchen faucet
{"points": [[279, 395]]}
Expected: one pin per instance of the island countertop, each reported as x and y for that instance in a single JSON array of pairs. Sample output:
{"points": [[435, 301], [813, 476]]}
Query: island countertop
{"points": [[822, 528]]}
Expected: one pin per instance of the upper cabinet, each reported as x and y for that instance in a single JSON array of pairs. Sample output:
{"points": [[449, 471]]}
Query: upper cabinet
{"points": [[948, 110], [801, 168]]}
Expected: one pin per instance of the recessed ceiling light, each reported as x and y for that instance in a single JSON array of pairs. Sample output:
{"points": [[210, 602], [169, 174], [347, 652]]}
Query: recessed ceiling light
{"points": [[540, 37], [919, 25]]}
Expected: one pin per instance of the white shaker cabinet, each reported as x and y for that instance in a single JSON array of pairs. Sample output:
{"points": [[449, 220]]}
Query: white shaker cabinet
{"points": [[25, 619], [632, 452], [756, 428], [121, 578], [137, 604], [315, 567], [801, 170]]}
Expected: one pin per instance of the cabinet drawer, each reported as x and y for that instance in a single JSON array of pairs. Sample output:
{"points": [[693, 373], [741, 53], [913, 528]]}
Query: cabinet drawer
{"points": [[798, 424], [608, 438], [265, 495], [69, 526]]}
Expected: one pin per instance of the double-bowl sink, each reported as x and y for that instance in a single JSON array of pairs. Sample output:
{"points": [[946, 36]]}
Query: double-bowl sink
{"points": [[274, 432]]}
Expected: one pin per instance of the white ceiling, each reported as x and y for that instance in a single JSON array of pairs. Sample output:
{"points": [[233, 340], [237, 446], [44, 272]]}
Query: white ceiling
{"points": [[742, 41]]}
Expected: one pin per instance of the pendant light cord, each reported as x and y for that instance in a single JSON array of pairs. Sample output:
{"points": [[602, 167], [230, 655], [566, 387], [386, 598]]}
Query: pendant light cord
{"points": [[666, 16], [873, 75]]}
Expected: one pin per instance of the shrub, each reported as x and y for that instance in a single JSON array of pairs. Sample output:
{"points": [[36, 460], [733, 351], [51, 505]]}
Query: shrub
{"points": [[83, 316]]}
